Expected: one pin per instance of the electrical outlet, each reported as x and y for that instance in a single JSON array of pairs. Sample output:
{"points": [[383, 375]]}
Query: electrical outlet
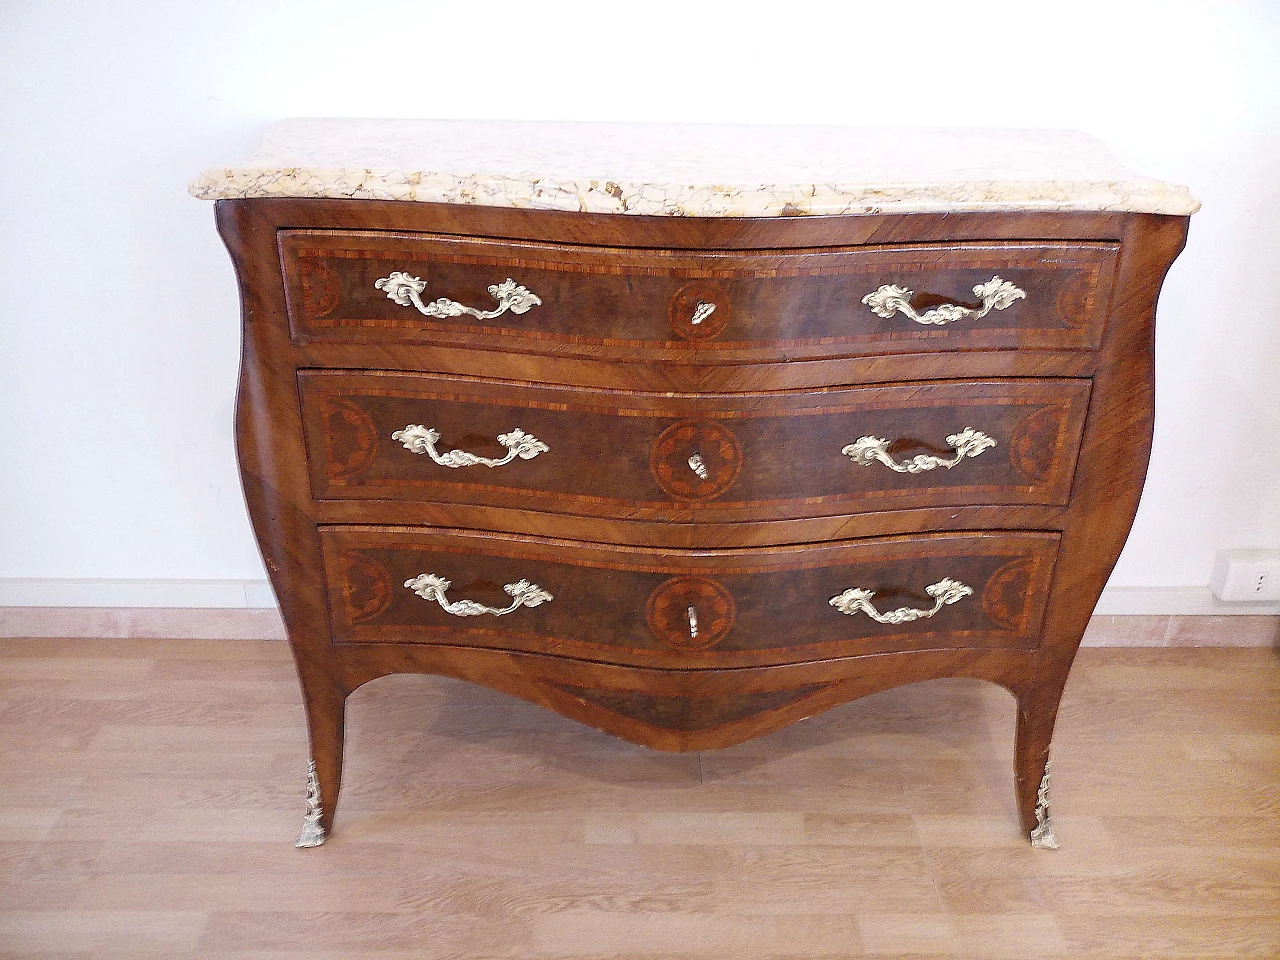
{"points": [[1246, 575]]}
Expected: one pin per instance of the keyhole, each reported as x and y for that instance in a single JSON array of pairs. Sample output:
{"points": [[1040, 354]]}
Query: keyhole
{"points": [[693, 623]]}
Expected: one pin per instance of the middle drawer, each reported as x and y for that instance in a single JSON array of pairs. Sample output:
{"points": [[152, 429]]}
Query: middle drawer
{"points": [[657, 456]]}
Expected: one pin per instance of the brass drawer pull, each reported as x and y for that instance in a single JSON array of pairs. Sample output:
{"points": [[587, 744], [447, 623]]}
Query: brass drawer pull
{"points": [[944, 592], [995, 294], [407, 291], [522, 593], [967, 443], [419, 439]]}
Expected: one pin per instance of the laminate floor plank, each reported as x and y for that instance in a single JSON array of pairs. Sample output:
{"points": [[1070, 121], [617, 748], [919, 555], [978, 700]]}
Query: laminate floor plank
{"points": [[150, 791]]}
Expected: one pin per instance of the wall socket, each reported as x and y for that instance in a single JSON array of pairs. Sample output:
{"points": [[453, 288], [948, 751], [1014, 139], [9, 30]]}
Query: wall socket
{"points": [[1246, 575]]}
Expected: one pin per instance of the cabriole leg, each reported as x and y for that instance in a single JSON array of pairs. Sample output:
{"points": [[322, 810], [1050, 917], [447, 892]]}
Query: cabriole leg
{"points": [[326, 714], [1037, 711]]}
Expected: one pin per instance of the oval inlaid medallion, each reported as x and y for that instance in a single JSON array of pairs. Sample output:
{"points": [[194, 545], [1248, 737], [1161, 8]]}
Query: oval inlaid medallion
{"points": [[699, 310], [1035, 443], [366, 587], [1075, 296], [350, 438], [695, 460], [691, 613], [321, 289], [1004, 597]]}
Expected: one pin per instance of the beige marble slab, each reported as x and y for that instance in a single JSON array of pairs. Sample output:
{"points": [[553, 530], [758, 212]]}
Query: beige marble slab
{"points": [[692, 170]]}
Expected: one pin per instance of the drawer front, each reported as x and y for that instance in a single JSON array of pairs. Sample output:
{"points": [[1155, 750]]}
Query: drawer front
{"points": [[688, 608], [717, 307], [421, 437]]}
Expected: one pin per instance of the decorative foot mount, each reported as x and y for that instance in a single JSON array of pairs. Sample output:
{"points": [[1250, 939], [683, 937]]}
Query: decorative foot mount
{"points": [[1042, 837], [312, 832]]}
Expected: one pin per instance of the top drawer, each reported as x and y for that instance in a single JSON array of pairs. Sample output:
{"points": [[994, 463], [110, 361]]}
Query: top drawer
{"points": [[710, 307]]}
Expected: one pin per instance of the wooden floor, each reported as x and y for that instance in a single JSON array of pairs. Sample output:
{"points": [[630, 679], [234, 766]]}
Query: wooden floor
{"points": [[150, 792]]}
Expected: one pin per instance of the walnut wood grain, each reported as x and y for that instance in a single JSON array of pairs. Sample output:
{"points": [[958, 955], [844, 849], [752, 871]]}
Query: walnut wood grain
{"points": [[611, 603], [615, 454], [637, 304], [678, 709]]}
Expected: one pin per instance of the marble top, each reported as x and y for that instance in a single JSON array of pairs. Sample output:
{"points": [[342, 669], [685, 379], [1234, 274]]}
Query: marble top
{"points": [[692, 170]]}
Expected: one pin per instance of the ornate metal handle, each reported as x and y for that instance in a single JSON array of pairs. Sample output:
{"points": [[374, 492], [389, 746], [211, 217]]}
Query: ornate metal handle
{"points": [[967, 443], [419, 439], [406, 290], [995, 294], [944, 592], [523, 594]]}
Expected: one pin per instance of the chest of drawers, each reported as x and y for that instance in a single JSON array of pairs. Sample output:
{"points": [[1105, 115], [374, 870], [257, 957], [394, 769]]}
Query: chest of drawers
{"points": [[689, 479]]}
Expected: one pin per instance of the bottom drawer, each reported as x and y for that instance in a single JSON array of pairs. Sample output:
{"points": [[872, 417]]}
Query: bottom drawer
{"points": [[687, 608]]}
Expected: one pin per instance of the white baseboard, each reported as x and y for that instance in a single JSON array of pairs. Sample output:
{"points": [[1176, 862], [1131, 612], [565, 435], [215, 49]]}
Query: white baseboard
{"points": [[257, 595], [205, 594], [1175, 601]]}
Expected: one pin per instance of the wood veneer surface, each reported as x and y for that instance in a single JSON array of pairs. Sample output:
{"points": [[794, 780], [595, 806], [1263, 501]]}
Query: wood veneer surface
{"points": [[674, 709], [149, 788]]}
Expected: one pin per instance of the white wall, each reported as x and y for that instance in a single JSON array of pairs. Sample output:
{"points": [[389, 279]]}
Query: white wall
{"points": [[118, 320]]}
